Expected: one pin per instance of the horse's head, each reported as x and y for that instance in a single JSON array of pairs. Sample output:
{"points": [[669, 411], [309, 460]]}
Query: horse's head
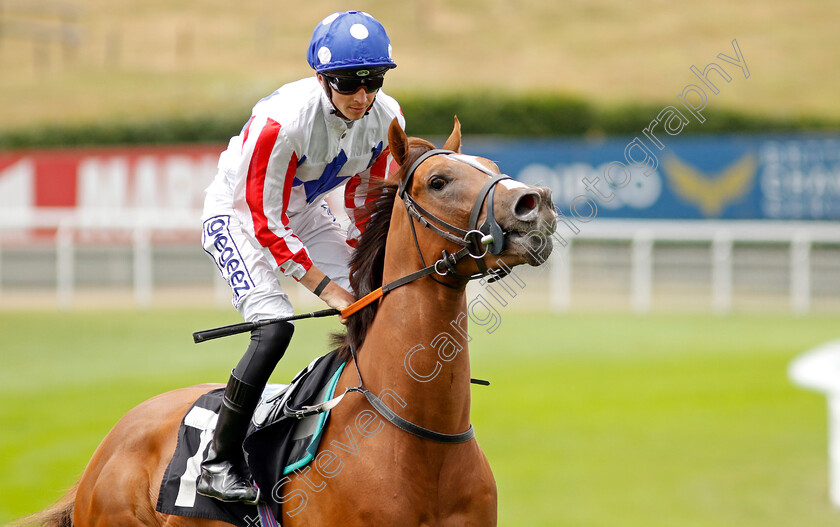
{"points": [[451, 194]]}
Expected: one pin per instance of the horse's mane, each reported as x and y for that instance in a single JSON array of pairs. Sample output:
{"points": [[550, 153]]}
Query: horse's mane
{"points": [[368, 260]]}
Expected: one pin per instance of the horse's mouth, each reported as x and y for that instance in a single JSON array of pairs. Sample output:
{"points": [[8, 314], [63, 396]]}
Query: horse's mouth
{"points": [[533, 243]]}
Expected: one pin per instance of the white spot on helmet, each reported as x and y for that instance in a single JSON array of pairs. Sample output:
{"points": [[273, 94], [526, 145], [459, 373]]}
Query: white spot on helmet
{"points": [[329, 19], [359, 31], [324, 55], [390, 51]]}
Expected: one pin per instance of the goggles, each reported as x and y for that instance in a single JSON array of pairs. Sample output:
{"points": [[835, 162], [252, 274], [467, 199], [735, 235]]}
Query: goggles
{"points": [[350, 85]]}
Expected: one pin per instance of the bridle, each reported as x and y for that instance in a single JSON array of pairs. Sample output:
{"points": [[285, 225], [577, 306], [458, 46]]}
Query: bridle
{"points": [[476, 241]]}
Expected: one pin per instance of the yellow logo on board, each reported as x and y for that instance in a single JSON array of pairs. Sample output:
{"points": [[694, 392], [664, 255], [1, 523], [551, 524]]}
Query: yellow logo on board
{"points": [[711, 193]]}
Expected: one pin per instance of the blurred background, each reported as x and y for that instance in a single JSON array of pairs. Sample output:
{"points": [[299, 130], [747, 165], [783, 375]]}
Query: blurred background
{"points": [[651, 351]]}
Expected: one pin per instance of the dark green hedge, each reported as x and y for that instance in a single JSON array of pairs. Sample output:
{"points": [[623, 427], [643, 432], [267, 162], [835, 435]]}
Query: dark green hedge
{"points": [[526, 115], [479, 113]]}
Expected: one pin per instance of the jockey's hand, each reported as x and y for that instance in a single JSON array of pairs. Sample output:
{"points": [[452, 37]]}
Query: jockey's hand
{"points": [[333, 294], [337, 298]]}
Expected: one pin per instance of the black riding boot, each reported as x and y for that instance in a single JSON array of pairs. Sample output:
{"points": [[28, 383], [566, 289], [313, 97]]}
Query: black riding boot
{"points": [[224, 473]]}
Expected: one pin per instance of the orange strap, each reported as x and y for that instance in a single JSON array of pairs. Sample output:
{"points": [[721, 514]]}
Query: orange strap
{"points": [[362, 302]]}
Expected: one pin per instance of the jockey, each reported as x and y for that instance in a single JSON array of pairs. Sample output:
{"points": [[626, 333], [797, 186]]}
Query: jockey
{"points": [[265, 212]]}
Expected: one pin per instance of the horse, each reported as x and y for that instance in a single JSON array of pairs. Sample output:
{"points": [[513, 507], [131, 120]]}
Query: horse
{"points": [[409, 346]]}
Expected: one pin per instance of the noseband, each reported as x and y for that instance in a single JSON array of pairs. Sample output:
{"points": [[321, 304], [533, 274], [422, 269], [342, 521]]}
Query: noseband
{"points": [[477, 240]]}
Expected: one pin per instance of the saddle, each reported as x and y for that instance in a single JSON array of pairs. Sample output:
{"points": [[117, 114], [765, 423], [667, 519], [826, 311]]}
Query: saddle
{"points": [[283, 436]]}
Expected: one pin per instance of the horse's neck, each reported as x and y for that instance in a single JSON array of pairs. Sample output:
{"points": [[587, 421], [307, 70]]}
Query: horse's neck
{"points": [[417, 347]]}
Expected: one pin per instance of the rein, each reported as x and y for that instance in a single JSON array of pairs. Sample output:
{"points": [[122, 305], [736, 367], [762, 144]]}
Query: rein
{"points": [[475, 242]]}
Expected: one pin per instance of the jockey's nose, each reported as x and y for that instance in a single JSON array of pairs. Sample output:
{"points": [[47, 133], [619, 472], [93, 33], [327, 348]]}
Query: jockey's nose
{"points": [[360, 96]]}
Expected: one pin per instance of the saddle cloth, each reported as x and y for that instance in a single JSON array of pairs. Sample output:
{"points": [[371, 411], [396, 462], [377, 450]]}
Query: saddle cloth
{"points": [[277, 443]]}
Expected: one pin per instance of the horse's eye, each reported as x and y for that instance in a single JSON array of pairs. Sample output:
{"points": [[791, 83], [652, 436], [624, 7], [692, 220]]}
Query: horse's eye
{"points": [[437, 183]]}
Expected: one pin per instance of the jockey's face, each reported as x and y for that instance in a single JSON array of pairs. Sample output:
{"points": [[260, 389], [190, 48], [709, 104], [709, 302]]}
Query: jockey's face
{"points": [[352, 106]]}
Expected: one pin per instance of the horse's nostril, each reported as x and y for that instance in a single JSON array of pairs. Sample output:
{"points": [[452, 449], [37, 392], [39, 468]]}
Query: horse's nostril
{"points": [[525, 204]]}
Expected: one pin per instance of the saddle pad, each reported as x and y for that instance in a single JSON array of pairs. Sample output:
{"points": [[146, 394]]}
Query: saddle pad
{"points": [[177, 491], [276, 445]]}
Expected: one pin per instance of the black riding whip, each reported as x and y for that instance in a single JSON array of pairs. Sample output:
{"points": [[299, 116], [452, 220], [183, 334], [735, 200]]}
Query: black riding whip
{"points": [[242, 327]]}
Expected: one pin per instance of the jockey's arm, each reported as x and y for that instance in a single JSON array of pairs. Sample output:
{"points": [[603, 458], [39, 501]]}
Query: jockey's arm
{"points": [[333, 294], [267, 200]]}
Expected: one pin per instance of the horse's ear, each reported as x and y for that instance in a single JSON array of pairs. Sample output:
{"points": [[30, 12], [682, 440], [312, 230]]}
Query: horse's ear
{"points": [[454, 141], [397, 142]]}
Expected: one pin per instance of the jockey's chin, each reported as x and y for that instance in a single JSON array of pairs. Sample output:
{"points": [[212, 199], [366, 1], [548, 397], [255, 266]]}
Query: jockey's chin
{"points": [[353, 107]]}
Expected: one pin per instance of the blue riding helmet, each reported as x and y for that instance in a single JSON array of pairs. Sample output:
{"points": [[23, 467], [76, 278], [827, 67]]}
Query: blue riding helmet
{"points": [[352, 40]]}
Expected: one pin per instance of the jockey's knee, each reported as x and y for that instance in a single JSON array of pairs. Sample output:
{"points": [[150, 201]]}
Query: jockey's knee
{"points": [[268, 345], [273, 339]]}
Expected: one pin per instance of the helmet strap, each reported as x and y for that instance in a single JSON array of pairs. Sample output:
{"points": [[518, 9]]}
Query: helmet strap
{"points": [[328, 90]]}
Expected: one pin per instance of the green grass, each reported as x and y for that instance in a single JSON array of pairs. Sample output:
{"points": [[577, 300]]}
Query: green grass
{"points": [[590, 420]]}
